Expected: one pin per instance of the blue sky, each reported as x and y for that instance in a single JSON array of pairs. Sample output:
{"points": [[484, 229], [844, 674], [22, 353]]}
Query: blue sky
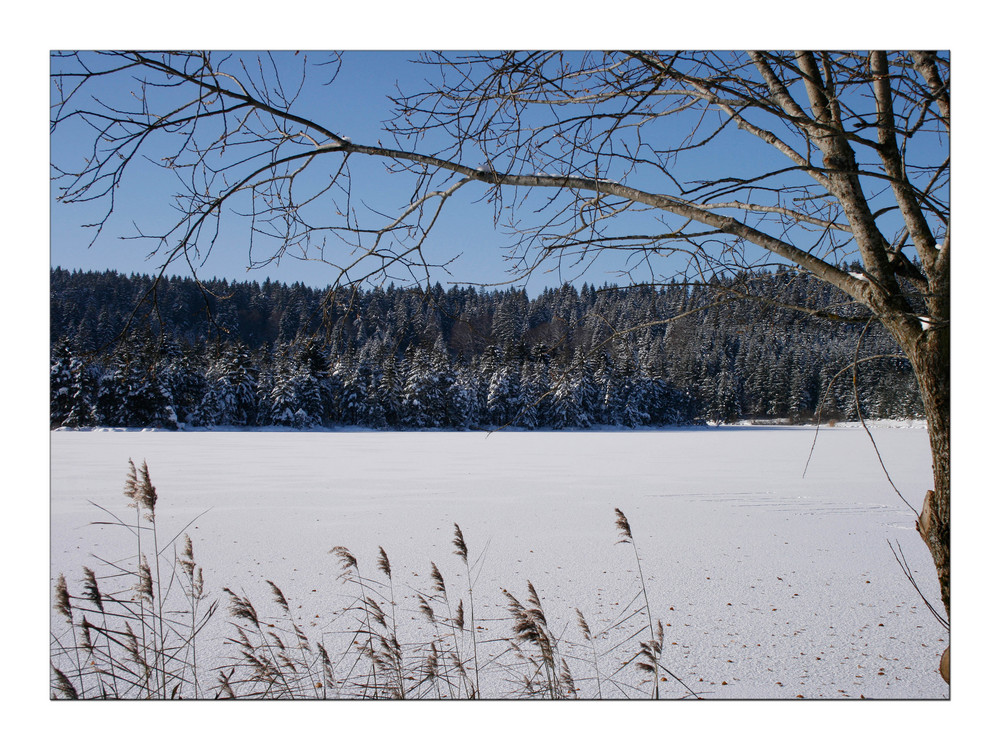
{"points": [[354, 105]]}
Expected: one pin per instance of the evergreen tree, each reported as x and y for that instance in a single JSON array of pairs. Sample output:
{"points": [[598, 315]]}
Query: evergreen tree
{"points": [[147, 402], [109, 401], [388, 391], [473, 357], [425, 391], [83, 379], [502, 402], [184, 379], [60, 385]]}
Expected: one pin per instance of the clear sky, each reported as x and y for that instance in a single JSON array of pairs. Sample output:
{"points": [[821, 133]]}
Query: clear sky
{"points": [[355, 105]]}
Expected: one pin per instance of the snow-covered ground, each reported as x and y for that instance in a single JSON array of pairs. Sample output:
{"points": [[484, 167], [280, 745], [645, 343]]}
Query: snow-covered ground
{"points": [[768, 584]]}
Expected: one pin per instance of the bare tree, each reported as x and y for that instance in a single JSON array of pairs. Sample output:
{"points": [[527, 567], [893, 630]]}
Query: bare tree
{"points": [[700, 164]]}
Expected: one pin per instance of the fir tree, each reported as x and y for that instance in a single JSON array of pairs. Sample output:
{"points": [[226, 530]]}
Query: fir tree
{"points": [[60, 385]]}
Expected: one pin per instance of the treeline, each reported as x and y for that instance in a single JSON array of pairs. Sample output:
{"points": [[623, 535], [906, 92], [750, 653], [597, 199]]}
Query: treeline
{"points": [[251, 354]]}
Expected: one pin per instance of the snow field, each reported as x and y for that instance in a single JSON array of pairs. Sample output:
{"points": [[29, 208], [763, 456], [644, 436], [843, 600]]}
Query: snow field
{"points": [[768, 584]]}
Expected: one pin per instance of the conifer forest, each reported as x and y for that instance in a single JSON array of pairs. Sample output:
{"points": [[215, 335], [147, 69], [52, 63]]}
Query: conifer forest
{"points": [[250, 354]]}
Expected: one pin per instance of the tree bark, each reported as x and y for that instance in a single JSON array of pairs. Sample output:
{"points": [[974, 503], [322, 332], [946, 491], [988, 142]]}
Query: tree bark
{"points": [[931, 364], [934, 524], [928, 348]]}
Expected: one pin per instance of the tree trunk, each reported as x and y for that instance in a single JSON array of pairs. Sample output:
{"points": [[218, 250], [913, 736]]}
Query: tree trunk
{"points": [[934, 524], [929, 353], [931, 365]]}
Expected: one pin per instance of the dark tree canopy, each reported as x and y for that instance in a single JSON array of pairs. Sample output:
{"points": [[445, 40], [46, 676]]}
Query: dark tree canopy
{"points": [[465, 358]]}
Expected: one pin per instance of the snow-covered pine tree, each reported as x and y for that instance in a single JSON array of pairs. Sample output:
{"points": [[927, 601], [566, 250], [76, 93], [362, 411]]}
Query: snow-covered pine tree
{"points": [[424, 392], [147, 401], [464, 399], [83, 384], [388, 392], [318, 390], [502, 396], [567, 408], [612, 393], [182, 375], [281, 401], [60, 385]]}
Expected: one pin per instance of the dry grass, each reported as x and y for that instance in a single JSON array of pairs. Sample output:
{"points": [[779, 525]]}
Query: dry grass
{"points": [[133, 632]]}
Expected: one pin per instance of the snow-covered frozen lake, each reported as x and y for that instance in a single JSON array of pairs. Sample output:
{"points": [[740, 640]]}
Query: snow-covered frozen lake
{"points": [[769, 584]]}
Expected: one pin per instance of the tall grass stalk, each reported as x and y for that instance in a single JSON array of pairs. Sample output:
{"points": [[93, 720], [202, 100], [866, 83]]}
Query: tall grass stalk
{"points": [[651, 650], [128, 642], [351, 573], [532, 628], [135, 632], [92, 594], [626, 538], [463, 553], [454, 620], [390, 643], [589, 638]]}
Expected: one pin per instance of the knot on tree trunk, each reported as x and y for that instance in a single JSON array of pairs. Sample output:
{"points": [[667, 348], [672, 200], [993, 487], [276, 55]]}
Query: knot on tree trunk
{"points": [[927, 518], [935, 533]]}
